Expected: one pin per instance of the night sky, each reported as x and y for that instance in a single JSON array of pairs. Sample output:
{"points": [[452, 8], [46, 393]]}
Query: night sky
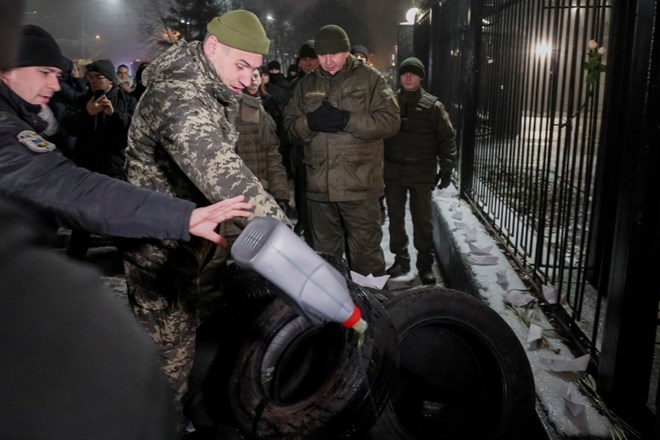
{"points": [[122, 26]]}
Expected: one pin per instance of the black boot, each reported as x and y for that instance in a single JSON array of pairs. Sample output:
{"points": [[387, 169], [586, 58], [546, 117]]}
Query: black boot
{"points": [[401, 265], [426, 276]]}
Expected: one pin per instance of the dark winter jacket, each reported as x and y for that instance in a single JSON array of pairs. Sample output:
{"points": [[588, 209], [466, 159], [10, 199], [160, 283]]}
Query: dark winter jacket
{"points": [[101, 139], [347, 165], [35, 173], [426, 138]]}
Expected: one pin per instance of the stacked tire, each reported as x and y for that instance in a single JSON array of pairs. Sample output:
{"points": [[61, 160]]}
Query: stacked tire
{"points": [[434, 363]]}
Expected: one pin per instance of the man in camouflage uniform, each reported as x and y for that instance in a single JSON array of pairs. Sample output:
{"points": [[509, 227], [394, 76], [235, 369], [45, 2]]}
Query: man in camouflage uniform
{"points": [[411, 167], [258, 146], [182, 142], [341, 112]]}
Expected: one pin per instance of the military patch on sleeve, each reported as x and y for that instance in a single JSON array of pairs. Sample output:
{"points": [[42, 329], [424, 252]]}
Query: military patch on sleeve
{"points": [[34, 142]]}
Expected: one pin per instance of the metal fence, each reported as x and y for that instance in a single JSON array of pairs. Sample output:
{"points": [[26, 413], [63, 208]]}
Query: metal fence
{"points": [[525, 85], [531, 167]]}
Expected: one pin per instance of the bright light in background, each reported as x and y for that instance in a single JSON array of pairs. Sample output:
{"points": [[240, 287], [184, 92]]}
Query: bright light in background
{"points": [[269, 17], [410, 15], [543, 50]]}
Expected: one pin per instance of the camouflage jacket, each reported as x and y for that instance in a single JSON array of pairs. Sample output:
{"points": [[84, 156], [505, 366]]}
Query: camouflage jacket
{"points": [[182, 142], [347, 165]]}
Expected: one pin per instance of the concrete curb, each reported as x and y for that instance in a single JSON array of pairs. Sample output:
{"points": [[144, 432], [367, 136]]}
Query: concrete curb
{"points": [[452, 219]]}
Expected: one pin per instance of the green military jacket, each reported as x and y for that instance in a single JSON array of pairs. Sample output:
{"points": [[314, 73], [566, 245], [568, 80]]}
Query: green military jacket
{"points": [[425, 140], [258, 146], [182, 141], [347, 165]]}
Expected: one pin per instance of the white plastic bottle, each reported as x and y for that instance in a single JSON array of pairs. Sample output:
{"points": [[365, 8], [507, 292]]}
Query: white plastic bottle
{"points": [[318, 290]]}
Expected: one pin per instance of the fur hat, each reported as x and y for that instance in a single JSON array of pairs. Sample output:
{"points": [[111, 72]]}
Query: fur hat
{"points": [[38, 48], [307, 50], [241, 30], [412, 65], [105, 68], [331, 39]]}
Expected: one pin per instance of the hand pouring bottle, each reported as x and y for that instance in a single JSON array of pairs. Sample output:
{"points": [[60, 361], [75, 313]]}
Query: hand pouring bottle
{"points": [[318, 290]]}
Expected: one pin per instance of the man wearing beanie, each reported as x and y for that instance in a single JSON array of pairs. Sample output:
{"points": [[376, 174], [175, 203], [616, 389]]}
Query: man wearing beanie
{"points": [[341, 112], [85, 347], [360, 52], [99, 120], [425, 140], [308, 61], [307, 58], [182, 142]]}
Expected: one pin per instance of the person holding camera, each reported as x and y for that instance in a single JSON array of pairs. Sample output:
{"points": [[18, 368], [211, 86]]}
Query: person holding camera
{"points": [[425, 140], [99, 120]]}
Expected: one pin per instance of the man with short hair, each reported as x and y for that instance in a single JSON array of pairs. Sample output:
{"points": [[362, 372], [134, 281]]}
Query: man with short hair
{"points": [[182, 142], [426, 138], [341, 113]]}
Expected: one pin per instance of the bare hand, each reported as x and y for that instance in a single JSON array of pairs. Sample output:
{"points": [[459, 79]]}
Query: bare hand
{"points": [[204, 221], [94, 106], [108, 109]]}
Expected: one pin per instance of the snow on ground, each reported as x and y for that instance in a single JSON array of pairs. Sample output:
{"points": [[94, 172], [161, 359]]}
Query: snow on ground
{"points": [[496, 279]]}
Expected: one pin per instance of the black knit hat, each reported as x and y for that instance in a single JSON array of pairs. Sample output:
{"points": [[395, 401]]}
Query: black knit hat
{"points": [[412, 65], [331, 39], [105, 68], [274, 65], [307, 50], [358, 48], [38, 48]]}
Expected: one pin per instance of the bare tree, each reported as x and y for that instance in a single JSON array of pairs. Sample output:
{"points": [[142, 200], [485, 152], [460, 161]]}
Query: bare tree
{"points": [[190, 17]]}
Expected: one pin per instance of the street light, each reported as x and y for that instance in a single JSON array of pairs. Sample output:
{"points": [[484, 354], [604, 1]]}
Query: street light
{"points": [[411, 14]]}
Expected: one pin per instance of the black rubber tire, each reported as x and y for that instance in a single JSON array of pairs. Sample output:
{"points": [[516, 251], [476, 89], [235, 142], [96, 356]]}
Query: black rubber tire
{"points": [[463, 372], [338, 263], [245, 295], [296, 380]]}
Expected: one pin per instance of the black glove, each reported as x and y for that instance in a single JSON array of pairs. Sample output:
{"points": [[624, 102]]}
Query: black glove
{"points": [[327, 118], [444, 177], [284, 206]]}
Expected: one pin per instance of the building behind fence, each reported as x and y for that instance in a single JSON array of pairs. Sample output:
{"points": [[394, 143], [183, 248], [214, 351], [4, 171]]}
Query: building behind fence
{"points": [[555, 103]]}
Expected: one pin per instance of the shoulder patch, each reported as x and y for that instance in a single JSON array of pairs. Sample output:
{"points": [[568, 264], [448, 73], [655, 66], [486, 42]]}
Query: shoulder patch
{"points": [[34, 142]]}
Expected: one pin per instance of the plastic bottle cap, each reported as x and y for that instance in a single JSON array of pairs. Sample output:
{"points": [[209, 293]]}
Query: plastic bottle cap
{"points": [[353, 319]]}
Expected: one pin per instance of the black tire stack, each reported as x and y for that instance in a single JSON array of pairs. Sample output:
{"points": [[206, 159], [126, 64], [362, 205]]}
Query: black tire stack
{"points": [[434, 363]]}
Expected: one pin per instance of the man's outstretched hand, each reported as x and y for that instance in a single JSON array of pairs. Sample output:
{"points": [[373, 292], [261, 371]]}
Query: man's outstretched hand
{"points": [[204, 221]]}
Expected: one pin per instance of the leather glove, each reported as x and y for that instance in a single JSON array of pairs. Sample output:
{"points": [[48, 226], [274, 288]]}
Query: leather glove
{"points": [[327, 118], [284, 206], [444, 177]]}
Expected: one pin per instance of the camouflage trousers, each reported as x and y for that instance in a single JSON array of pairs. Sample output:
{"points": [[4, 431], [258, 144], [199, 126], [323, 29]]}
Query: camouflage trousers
{"points": [[166, 306]]}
